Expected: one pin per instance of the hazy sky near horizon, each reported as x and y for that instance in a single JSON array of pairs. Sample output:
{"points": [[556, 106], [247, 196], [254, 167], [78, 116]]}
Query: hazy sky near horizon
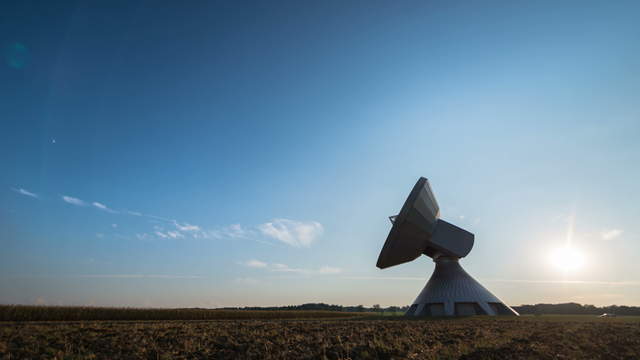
{"points": [[232, 153]]}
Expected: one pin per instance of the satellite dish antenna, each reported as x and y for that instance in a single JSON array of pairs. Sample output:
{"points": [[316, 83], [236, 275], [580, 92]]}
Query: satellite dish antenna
{"points": [[450, 291]]}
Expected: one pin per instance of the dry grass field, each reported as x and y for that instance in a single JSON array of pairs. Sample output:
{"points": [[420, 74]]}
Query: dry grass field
{"points": [[373, 337]]}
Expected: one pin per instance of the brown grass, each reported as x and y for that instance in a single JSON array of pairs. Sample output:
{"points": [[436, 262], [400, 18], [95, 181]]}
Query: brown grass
{"points": [[576, 337]]}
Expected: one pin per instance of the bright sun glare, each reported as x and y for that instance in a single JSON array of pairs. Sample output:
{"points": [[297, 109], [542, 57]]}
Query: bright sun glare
{"points": [[567, 258]]}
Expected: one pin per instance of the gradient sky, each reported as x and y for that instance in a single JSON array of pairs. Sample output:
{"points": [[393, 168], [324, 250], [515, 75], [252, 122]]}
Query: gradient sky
{"points": [[231, 153]]}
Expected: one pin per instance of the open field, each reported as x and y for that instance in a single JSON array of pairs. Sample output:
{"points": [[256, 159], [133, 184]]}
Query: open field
{"points": [[541, 337]]}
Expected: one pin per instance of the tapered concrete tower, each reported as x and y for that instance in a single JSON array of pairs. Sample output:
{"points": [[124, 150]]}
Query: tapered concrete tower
{"points": [[451, 291]]}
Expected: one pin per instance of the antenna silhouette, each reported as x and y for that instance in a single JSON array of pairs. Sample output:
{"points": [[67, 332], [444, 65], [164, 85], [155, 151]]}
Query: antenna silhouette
{"points": [[418, 230]]}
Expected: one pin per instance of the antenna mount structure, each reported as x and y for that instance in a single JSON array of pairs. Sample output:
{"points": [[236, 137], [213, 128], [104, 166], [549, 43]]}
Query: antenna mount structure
{"points": [[418, 230]]}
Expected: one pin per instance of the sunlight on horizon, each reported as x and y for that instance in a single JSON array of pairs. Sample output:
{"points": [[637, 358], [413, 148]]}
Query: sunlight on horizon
{"points": [[568, 259]]}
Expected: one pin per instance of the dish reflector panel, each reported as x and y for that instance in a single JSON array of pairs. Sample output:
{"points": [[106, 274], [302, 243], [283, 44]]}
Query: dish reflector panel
{"points": [[418, 230]]}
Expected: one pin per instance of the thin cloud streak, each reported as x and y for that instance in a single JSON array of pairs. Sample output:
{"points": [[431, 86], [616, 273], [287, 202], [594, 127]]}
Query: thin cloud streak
{"points": [[26, 193], [186, 226], [157, 217], [234, 231], [73, 201], [255, 264], [292, 232], [329, 270], [174, 234], [283, 268], [103, 207]]}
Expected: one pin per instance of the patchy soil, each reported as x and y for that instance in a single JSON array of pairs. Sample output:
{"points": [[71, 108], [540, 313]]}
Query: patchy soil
{"points": [[391, 338]]}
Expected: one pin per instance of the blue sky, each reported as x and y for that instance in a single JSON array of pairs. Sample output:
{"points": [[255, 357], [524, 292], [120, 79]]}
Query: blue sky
{"points": [[242, 153]]}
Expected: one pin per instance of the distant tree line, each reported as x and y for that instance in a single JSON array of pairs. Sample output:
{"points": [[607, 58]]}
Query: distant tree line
{"points": [[327, 307], [537, 309], [90, 313], [576, 309]]}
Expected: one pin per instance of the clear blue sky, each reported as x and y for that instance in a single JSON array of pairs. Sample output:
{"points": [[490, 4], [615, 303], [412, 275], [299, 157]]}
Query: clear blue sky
{"points": [[223, 153]]}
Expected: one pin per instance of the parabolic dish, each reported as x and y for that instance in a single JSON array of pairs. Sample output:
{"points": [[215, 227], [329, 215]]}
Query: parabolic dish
{"points": [[418, 230], [406, 240]]}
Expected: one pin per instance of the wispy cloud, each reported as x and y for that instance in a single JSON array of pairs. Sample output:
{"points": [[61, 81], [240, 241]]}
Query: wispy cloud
{"points": [[329, 270], [284, 268], [100, 206], [611, 234], [73, 201], [143, 236], [103, 207], [158, 218], [291, 232], [234, 231], [294, 233], [174, 234], [162, 235], [26, 193], [186, 227], [160, 232], [256, 264], [206, 234]]}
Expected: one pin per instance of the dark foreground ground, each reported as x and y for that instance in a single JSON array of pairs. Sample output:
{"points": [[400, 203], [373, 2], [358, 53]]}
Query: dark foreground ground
{"points": [[552, 337]]}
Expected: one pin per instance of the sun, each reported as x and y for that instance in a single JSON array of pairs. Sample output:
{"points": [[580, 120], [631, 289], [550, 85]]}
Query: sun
{"points": [[568, 258]]}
